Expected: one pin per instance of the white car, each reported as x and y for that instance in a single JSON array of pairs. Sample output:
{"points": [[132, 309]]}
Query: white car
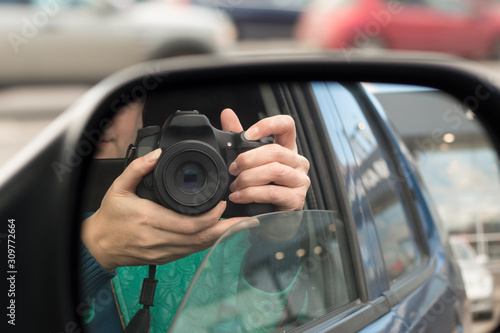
{"points": [[86, 40], [478, 280]]}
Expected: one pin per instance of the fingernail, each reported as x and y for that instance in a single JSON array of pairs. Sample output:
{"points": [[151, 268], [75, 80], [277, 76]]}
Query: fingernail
{"points": [[252, 133], [235, 196], [233, 169], [153, 156], [252, 222]]}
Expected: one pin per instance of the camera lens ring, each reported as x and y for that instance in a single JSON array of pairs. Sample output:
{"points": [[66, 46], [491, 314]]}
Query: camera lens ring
{"points": [[213, 189]]}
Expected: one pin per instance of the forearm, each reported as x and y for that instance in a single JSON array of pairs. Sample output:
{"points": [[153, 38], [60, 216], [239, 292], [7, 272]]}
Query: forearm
{"points": [[92, 276]]}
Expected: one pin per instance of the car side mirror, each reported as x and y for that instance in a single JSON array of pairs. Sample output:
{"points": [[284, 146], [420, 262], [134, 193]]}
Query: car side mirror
{"points": [[42, 187]]}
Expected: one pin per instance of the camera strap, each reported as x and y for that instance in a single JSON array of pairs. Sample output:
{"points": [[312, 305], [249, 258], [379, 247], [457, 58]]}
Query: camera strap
{"points": [[141, 322]]}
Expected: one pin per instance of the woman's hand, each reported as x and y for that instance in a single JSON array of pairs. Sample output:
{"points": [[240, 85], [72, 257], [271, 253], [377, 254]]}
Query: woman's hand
{"points": [[277, 163], [130, 231]]}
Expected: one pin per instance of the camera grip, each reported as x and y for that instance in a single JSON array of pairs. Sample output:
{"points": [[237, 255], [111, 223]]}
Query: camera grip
{"points": [[251, 209]]}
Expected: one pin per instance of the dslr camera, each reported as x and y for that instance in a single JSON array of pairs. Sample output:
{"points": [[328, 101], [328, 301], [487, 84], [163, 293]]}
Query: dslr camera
{"points": [[191, 176]]}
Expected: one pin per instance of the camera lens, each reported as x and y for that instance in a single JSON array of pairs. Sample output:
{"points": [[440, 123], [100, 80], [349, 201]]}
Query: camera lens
{"points": [[190, 178]]}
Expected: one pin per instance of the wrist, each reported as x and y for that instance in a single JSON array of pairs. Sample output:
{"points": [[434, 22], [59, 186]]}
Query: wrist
{"points": [[91, 240]]}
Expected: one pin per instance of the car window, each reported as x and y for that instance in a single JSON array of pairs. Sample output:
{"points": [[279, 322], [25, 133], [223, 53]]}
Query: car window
{"points": [[306, 250], [397, 237], [456, 159], [450, 6], [66, 2]]}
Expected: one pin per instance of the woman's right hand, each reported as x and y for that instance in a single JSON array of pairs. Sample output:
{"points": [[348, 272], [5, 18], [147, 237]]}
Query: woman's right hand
{"points": [[130, 231]]}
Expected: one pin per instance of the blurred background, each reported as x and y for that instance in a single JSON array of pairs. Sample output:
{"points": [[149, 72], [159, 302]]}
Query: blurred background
{"points": [[53, 51]]}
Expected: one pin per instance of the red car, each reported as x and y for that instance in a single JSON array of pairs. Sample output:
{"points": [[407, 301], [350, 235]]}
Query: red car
{"points": [[467, 28]]}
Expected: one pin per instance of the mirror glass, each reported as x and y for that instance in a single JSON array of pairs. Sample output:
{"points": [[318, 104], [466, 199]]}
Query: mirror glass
{"points": [[255, 277]]}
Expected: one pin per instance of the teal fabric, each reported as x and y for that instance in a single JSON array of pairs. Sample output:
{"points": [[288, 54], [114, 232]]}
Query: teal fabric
{"points": [[174, 279]]}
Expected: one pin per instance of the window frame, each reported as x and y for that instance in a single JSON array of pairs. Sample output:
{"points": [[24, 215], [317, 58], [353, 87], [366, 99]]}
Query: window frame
{"points": [[374, 113], [360, 313], [302, 104]]}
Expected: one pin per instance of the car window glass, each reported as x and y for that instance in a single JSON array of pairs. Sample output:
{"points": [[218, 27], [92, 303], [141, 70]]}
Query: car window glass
{"points": [[450, 6], [236, 291], [457, 162], [65, 3], [400, 250]]}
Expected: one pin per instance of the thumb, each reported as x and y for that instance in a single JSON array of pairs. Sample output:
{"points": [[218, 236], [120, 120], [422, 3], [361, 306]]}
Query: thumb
{"points": [[229, 121], [136, 170]]}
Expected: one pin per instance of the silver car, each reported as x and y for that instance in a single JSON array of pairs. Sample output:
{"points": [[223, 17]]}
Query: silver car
{"points": [[86, 40], [478, 280]]}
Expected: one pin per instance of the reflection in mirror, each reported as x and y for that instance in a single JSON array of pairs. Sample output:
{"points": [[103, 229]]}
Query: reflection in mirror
{"points": [[123, 234], [257, 280], [256, 277], [457, 161], [401, 250]]}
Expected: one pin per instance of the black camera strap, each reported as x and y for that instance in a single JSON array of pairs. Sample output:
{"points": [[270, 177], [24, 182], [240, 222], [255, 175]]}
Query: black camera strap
{"points": [[141, 322]]}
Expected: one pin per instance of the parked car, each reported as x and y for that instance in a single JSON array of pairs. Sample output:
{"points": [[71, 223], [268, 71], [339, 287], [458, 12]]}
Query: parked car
{"points": [[478, 280], [84, 40], [461, 27], [260, 19], [372, 254]]}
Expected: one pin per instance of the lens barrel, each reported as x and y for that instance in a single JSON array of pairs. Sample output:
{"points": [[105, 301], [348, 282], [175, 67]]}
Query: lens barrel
{"points": [[191, 177]]}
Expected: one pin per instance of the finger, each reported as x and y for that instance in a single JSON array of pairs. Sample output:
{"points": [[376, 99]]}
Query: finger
{"points": [[184, 224], [135, 171], [229, 121], [237, 224], [281, 126], [282, 197], [267, 154], [277, 173], [179, 244]]}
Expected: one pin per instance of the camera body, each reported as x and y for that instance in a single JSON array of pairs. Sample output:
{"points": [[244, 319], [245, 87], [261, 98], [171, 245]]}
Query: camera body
{"points": [[191, 176]]}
